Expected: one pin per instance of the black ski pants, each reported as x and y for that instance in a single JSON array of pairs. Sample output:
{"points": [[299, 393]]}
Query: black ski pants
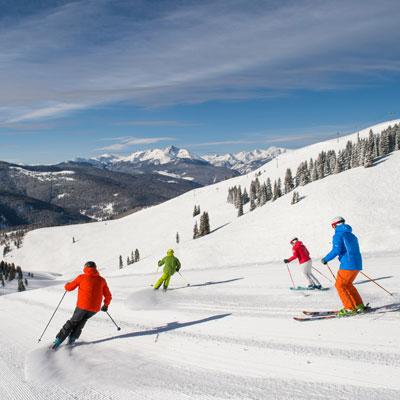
{"points": [[73, 327]]}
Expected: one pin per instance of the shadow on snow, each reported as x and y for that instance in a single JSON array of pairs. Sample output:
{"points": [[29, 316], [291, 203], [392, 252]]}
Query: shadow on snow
{"points": [[208, 283], [156, 331]]}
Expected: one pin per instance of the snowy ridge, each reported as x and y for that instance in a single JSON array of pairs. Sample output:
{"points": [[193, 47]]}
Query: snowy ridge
{"points": [[155, 156], [230, 335], [245, 161]]}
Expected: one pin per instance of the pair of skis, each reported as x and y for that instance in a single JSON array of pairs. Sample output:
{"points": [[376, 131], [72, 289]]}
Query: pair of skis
{"points": [[318, 315], [306, 288]]}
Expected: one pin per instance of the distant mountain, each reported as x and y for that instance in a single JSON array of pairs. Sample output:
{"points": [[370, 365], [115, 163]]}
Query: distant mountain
{"points": [[245, 161], [180, 163], [73, 193], [170, 161]]}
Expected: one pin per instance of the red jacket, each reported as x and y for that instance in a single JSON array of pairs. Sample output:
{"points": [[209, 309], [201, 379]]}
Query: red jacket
{"points": [[300, 251], [92, 288]]}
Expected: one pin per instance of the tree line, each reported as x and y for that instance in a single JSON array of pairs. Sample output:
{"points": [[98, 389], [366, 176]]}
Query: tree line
{"points": [[361, 153], [8, 272]]}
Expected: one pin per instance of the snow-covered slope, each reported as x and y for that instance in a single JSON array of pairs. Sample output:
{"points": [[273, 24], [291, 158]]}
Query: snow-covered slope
{"points": [[263, 233], [231, 334]]}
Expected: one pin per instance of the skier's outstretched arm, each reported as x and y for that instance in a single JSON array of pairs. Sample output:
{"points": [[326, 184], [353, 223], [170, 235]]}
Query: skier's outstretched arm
{"points": [[72, 285], [336, 249]]}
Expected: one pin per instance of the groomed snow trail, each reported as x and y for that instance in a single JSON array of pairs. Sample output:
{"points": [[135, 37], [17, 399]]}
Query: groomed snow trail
{"points": [[229, 336]]}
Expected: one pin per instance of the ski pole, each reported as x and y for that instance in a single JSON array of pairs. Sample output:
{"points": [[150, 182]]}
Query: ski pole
{"points": [[334, 277], [118, 328], [376, 283], [322, 274], [52, 316], [155, 277], [287, 266], [188, 284]]}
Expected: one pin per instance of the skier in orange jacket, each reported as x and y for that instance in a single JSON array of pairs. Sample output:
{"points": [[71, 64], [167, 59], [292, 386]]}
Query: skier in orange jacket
{"points": [[92, 289]]}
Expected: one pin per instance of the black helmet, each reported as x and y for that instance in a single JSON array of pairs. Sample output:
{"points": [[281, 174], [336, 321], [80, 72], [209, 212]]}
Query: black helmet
{"points": [[90, 264]]}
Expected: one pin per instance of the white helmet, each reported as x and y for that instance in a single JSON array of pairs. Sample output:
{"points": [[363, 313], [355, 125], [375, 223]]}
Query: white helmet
{"points": [[337, 221]]}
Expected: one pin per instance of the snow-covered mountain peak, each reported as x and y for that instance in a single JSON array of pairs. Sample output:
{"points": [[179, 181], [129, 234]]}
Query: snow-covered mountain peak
{"points": [[245, 161]]}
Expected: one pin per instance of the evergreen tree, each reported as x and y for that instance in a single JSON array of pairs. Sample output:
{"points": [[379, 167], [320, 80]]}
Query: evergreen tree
{"points": [[263, 194], [238, 197], [368, 160], [204, 224], [384, 144], [295, 197], [397, 140], [245, 196], [121, 263], [269, 193], [21, 286], [275, 192], [314, 174], [240, 208], [288, 182], [137, 255], [279, 187], [177, 237], [195, 231]]}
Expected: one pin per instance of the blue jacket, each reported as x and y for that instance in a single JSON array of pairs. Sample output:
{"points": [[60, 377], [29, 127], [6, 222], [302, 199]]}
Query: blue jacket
{"points": [[345, 245]]}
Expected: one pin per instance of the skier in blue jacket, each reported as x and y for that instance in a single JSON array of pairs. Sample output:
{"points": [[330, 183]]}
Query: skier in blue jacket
{"points": [[346, 248]]}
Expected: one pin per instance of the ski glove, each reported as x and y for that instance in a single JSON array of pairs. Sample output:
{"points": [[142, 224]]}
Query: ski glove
{"points": [[177, 269], [104, 308], [324, 262], [286, 261]]}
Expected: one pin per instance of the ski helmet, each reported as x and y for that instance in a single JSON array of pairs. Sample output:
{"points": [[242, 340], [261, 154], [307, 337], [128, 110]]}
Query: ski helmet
{"points": [[293, 241], [337, 221], [170, 251], [90, 264]]}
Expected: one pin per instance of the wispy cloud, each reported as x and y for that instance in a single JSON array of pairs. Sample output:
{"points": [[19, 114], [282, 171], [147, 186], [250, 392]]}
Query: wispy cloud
{"points": [[155, 123], [222, 143], [41, 126], [72, 56], [12, 133], [130, 141]]}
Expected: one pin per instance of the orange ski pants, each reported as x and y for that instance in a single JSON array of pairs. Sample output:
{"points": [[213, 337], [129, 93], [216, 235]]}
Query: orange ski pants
{"points": [[346, 291]]}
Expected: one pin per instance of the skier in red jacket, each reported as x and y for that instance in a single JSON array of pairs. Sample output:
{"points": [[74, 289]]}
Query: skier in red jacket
{"points": [[92, 289], [300, 251]]}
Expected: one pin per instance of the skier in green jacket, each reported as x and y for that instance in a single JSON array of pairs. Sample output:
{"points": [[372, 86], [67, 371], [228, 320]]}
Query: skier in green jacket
{"points": [[172, 264]]}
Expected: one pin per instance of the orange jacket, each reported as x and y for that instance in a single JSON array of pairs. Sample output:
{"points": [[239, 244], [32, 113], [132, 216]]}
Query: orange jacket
{"points": [[92, 288]]}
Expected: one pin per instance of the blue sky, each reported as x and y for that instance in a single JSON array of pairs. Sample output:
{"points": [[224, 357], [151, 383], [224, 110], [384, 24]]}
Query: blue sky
{"points": [[87, 77]]}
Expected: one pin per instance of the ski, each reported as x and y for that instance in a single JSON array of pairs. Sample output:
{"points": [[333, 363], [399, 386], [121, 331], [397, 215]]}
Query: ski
{"points": [[305, 288], [303, 319], [319, 313]]}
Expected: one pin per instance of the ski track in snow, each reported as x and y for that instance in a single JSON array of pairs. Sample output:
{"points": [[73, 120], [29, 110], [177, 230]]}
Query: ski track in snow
{"points": [[178, 345], [231, 334]]}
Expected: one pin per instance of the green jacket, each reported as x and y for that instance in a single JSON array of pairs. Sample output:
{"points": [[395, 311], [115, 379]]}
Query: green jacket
{"points": [[172, 264]]}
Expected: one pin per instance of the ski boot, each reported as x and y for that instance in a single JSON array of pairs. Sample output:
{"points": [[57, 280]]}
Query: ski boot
{"points": [[362, 308], [319, 287], [346, 313], [55, 344], [71, 341], [310, 287]]}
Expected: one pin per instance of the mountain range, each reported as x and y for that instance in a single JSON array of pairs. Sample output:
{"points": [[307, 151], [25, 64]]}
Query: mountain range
{"points": [[83, 190], [185, 164]]}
